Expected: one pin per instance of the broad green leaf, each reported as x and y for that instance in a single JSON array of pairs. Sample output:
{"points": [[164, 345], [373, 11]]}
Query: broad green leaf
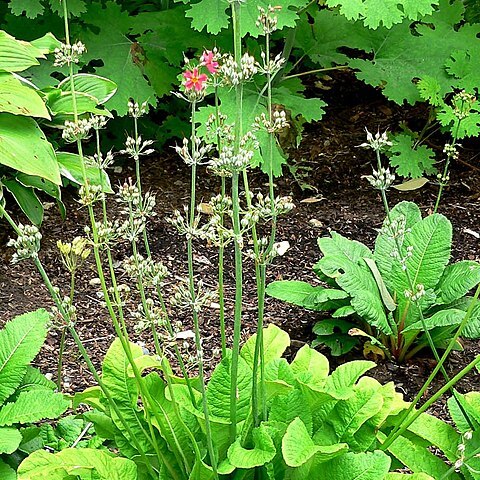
{"points": [[29, 8], [443, 318], [386, 297], [10, 439], [411, 162], [310, 366], [27, 200], [383, 12], [471, 404], [61, 103], [16, 55], [20, 341], [218, 391], [201, 471], [408, 476], [100, 88], [461, 65], [349, 415], [262, 452], [18, 98], [291, 291], [23, 147], [122, 61], [430, 90], [6, 472], [71, 168], [343, 261], [417, 458], [356, 466], [275, 342], [285, 408], [211, 14], [88, 463], [33, 406], [75, 7], [339, 384], [35, 380], [46, 44], [333, 333], [298, 447], [457, 280]]}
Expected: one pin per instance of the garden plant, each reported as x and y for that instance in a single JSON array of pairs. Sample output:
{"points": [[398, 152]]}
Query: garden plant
{"points": [[262, 412]]}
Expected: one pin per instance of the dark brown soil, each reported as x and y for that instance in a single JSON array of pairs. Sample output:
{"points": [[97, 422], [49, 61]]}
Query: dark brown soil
{"points": [[339, 199]]}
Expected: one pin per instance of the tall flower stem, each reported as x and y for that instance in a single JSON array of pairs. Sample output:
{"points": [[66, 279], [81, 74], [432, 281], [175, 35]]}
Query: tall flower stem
{"points": [[237, 325], [191, 278]]}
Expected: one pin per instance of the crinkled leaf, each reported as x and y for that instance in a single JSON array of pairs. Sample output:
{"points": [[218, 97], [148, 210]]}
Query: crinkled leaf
{"points": [[443, 318], [33, 406], [275, 342], [262, 452], [20, 341], [339, 384], [310, 366], [285, 408], [462, 66], [87, 462], [411, 162], [457, 280], [356, 466]]}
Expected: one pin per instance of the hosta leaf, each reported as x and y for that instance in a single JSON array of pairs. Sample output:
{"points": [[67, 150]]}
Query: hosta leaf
{"points": [[100, 88], [262, 452], [356, 466], [122, 63], [16, 56], [20, 341], [88, 463], [18, 98], [275, 342], [10, 439], [291, 291], [411, 162], [383, 12], [23, 147], [298, 447], [457, 280], [27, 200], [6, 472], [218, 391], [33, 406], [29, 8]]}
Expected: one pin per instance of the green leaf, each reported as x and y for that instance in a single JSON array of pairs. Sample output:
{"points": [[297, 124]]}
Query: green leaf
{"points": [[383, 12], [122, 63], [10, 439], [100, 88], [211, 14], [20, 341], [291, 291], [75, 7], [461, 65], [18, 98], [333, 333], [407, 476], [33, 406], [71, 168], [26, 199], [430, 90], [6, 472], [35, 380], [357, 466], [298, 447], [457, 280], [339, 384], [61, 103], [29, 8], [88, 463], [411, 162], [275, 342], [443, 318], [285, 408], [262, 452], [468, 127], [310, 366], [386, 297], [218, 391], [16, 56], [46, 44], [23, 147]]}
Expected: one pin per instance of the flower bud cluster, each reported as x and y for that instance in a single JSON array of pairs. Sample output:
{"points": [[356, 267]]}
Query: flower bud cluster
{"points": [[275, 125], [98, 122], [100, 161], [148, 316], [403, 260], [451, 151], [137, 110], [151, 273], [74, 253], [79, 130], [107, 232], [90, 194], [201, 298], [27, 244], [396, 229], [136, 147], [264, 209], [234, 74], [196, 155], [67, 54], [267, 19], [378, 142], [57, 319], [462, 104], [417, 294], [181, 223], [381, 179]]}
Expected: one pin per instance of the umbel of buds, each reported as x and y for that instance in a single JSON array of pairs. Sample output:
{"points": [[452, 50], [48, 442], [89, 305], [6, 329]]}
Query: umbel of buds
{"points": [[67, 54], [74, 253], [136, 110], [27, 244], [381, 179], [378, 142]]}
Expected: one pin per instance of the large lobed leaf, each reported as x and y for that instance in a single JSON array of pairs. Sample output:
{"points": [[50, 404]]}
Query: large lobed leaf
{"points": [[20, 341]]}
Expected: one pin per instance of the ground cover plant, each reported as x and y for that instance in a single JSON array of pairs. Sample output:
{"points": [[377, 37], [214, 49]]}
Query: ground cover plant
{"points": [[258, 415]]}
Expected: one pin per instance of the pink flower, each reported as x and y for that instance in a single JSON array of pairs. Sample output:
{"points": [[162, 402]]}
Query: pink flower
{"points": [[195, 80], [208, 59]]}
